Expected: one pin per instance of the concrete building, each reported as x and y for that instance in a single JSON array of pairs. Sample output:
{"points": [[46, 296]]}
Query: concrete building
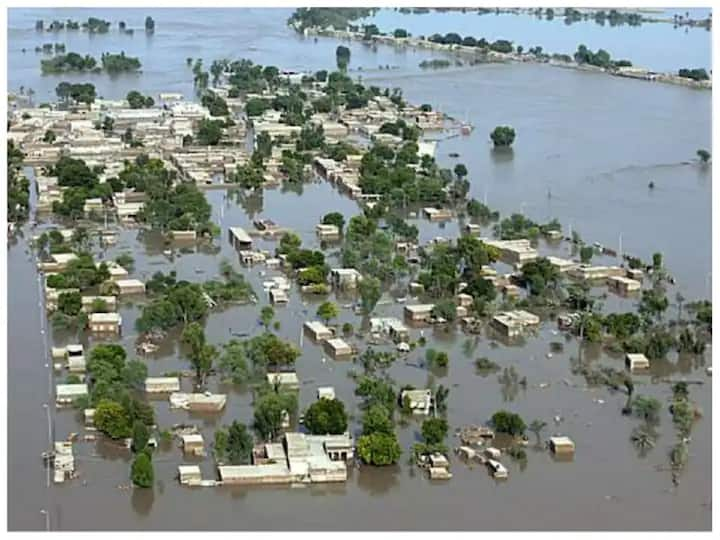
{"points": [[278, 296], [419, 401], [588, 272], [105, 323], [128, 287], [239, 238], [108, 303], [326, 392], [198, 402], [514, 251], [345, 278], [189, 474], [317, 331], [65, 394], [327, 232], [623, 285], [562, 445], [193, 444], [513, 323], [159, 385], [419, 312], [637, 362], [391, 326], [75, 357], [285, 380], [337, 348]]}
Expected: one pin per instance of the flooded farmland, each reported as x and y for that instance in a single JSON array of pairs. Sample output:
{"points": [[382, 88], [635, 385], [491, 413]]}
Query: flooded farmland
{"points": [[588, 146]]}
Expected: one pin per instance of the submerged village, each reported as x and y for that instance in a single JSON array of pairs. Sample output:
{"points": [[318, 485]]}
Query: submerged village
{"points": [[89, 174]]}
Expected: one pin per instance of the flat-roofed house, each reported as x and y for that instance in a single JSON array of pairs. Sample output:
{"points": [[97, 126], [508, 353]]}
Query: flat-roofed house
{"points": [[240, 239], [65, 394], [317, 331], [637, 362], [337, 347], [562, 445], [285, 380], [159, 385], [130, 286], [110, 323], [623, 285], [419, 401], [513, 323], [418, 312]]}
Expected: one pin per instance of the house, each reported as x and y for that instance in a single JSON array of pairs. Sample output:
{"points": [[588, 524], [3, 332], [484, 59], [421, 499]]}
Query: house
{"points": [[623, 285], [337, 347], [317, 331], [89, 415], [239, 239], [278, 296], [158, 385], [464, 300], [635, 273], [345, 278], [75, 358], [439, 473], [63, 461], [285, 380], [562, 445], [189, 474], [193, 444], [514, 251], [198, 402], [637, 362], [326, 392], [129, 286], [267, 473], [391, 326], [587, 272], [437, 214], [473, 229], [116, 271], [65, 394], [419, 401], [105, 323], [418, 312], [497, 469], [327, 232], [183, 236], [513, 323], [562, 265]]}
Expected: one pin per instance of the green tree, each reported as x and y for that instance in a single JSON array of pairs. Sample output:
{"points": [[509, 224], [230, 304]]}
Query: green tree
{"points": [[460, 170], [267, 314], [503, 136], [201, 354], [326, 416], [112, 419], [377, 419], [704, 155], [434, 430], [327, 311], [648, 408], [209, 132], [140, 436], [379, 449], [239, 444], [232, 364], [508, 422], [334, 218], [142, 472], [370, 293], [70, 303], [269, 409], [586, 254]]}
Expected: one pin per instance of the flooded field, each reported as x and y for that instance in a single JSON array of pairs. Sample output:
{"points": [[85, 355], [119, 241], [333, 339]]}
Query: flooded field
{"points": [[587, 147]]}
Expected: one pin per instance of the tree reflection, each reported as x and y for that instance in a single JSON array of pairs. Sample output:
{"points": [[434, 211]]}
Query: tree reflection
{"points": [[142, 501]]}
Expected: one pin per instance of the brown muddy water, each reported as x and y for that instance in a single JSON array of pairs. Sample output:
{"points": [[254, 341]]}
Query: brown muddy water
{"points": [[591, 143]]}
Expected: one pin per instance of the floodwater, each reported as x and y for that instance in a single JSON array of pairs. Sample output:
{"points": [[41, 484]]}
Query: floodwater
{"points": [[656, 46], [587, 147]]}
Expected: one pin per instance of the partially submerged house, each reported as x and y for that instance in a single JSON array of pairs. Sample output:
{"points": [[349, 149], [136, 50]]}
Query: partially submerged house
{"points": [[418, 312], [513, 323], [317, 331], [390, 326], [562, 445], [637, 362], [75, 356], [105, 323], [193, 444], [623, 285], [285, 380], [337, 347], [65, 394], [127, 287], [206, 402], [345, 278], [159, 385], [239, 238], [419, 401]]}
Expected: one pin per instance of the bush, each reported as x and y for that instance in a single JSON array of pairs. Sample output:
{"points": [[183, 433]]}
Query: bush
{"points": [[142, 472], [507, 422]]}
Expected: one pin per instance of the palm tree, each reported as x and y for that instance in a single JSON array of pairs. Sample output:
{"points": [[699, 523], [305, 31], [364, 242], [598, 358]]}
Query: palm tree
{"points": [[536, 426], [679, 298], [643, 440]]}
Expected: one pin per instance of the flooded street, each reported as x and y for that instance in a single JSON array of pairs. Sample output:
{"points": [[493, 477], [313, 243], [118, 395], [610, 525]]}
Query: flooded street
{"points": [[587, 147]]}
